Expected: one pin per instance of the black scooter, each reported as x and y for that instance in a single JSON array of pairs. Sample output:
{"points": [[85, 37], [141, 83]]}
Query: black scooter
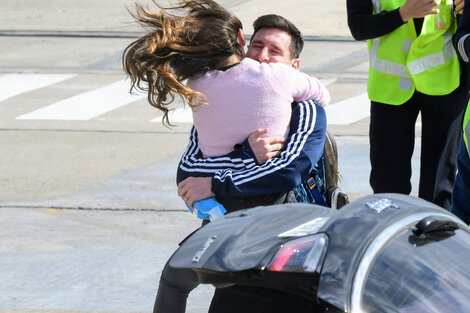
{"points": [[380, 253]]}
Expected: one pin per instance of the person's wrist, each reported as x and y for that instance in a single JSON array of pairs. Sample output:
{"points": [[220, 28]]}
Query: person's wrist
{"points": [[404, 15], [249, 150], [212, 184]]}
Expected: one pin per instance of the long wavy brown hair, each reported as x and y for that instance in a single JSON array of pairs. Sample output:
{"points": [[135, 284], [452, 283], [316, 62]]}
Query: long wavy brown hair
{"points": [[183, 41]]}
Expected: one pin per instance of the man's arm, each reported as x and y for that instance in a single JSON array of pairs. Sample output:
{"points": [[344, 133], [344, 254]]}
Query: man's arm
{"points": [[461, 37], [304, 147]]}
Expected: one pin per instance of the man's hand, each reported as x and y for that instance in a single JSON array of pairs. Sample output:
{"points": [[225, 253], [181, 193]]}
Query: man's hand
{"points": [[193, 189], [265, 148], [418, 8], [458, 6]]}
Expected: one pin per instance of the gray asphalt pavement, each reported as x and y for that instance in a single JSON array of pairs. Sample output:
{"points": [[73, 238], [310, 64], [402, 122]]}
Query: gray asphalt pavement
{"points": [[88, 206], [59, 260]]}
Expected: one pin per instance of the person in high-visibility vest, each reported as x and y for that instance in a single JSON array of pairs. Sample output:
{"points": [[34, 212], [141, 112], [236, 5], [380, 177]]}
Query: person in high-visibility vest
{"points": [[461, 193], [413, 70]]}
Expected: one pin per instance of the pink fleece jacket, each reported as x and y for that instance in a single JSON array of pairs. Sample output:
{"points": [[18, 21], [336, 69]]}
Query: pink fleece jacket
{"points": [[246, 97]]}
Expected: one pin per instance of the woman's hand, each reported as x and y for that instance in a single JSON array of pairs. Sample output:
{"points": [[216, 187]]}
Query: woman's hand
{"points": [[418, 8], [193, 189], [265, 148]]}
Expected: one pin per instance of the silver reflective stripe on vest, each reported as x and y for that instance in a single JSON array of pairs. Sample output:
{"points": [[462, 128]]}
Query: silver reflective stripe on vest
{"points": [[377, 6], [461, 47], [389, 67], [405, 84], [467, 134], [406, 45], [435, 59], [385, 66]]}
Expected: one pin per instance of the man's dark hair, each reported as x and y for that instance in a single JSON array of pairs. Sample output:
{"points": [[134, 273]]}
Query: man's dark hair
{"points": [[279, 22]]}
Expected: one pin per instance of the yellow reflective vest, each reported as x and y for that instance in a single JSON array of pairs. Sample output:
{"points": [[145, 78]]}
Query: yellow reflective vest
{"points": [[401, 62], [466, 127]]}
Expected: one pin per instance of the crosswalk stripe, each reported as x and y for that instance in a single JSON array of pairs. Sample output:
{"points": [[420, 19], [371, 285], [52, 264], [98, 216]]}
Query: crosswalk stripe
{"points": [[349, 110], [180, 115], [15, 84], [96, 102], [87, 105]]}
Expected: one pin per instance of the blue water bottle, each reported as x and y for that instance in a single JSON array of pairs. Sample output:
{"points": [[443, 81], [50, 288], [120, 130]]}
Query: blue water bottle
{"points": [[207, 209]]}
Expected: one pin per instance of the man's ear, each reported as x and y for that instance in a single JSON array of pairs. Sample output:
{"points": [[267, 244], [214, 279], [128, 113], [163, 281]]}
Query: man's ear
{"points": [[241, 39], [295, 63]]}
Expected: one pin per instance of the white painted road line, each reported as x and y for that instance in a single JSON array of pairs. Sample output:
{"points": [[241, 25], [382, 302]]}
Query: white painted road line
{"points": [[328, 81], [15, 84], [180, 115], [99, 101], [349, 110], [87, 105]]}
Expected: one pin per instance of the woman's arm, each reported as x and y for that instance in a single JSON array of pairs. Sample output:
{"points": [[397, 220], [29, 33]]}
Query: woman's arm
{"points": [[307, 87], [365, 25]]}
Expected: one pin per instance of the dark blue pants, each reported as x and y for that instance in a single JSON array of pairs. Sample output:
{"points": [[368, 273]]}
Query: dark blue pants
{"points": [[461, 193]]}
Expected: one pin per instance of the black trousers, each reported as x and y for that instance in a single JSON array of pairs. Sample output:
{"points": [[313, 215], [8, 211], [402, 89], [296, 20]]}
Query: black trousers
{"points": [[248, 299], [392, 138], [173, 290]]}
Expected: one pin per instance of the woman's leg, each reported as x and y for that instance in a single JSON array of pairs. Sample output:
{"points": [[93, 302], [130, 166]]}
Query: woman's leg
{"points": [[173, 290]]}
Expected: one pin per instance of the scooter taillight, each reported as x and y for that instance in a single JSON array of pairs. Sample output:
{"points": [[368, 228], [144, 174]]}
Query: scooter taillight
{"points": [[300, 255]]}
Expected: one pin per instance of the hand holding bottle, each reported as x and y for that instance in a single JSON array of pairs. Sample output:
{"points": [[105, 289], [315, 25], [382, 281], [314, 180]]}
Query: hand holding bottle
{"points": [[193, 189], [458, 6], [418, 8]]}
